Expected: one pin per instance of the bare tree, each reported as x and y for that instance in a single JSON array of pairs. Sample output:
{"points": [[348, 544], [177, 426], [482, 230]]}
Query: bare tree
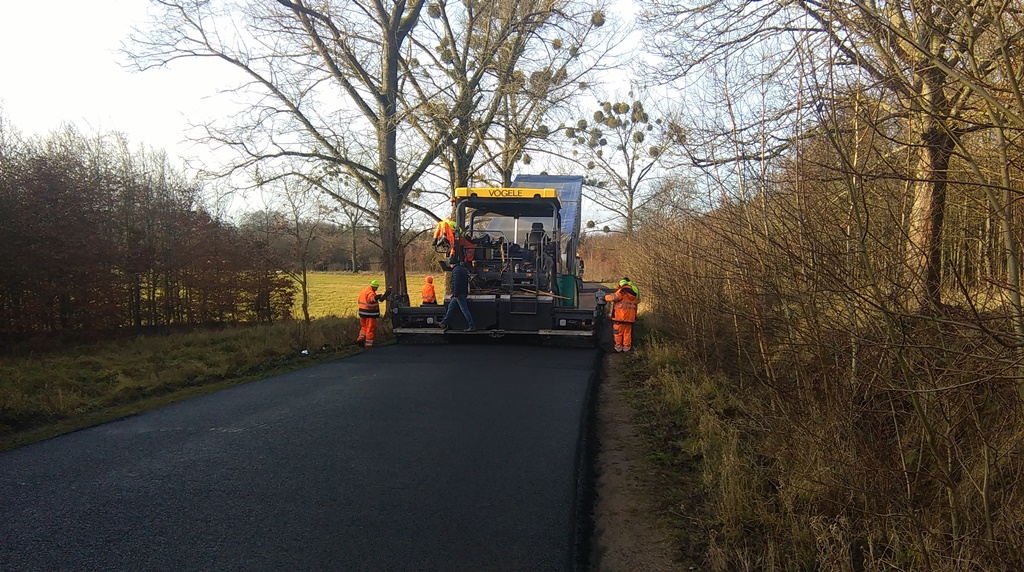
{"points": [[498, 68], [900, 175], [918, 51], [328, 80], [347, 88], [623, 149], [552, 78], [301, 220], [353, 214]]}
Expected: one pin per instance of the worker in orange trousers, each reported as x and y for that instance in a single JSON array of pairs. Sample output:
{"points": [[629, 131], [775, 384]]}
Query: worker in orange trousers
{"points": [[369, 313], [623, 315]]}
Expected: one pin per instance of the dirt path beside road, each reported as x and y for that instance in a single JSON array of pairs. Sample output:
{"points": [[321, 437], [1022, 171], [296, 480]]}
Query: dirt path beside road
{"points": [[627, 536]]}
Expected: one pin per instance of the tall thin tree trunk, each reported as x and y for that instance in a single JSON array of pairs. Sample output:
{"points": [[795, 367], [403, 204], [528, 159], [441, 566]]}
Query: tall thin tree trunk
{"points": [[355, 258], [927, 215], [931, 131], [305, 294], [390, 199]]}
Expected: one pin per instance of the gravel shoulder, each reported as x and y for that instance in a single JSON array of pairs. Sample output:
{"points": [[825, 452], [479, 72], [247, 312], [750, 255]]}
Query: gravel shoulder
{"points": [[627, 534]]}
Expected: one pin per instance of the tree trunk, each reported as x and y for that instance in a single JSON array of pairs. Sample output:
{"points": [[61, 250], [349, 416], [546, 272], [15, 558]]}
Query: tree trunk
{"points": [[507, 157], [390, 197], [137, 301], [305, 295], [355, 267], [630, 213], [927, 214], [462, 159], [924, 259], [391, 245], [461, 162]]}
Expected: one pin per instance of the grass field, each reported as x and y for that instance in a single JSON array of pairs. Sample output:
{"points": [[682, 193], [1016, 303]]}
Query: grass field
{"points": [[336, 294], [51, 393]]}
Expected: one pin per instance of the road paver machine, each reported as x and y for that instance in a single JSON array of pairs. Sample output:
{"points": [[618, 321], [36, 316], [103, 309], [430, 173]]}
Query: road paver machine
{"points": [[519, 244]]}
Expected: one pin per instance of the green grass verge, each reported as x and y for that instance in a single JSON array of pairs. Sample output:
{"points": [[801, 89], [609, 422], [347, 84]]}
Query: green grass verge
{"points": [[661, 396], [47, 394]]}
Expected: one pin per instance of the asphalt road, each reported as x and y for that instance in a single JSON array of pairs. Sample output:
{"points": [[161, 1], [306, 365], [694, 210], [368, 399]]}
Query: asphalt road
{"points": [[455, 457]]}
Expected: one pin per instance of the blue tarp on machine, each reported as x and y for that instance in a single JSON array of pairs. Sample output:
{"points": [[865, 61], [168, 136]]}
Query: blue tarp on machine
{"points": [[570, 194]]}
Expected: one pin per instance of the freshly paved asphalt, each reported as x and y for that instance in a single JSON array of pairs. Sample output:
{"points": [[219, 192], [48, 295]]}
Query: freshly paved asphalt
{"points": [[454, 457]]}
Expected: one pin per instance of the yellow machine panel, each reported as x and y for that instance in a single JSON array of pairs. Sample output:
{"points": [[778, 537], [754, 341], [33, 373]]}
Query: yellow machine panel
{"points": [[505, 193]]}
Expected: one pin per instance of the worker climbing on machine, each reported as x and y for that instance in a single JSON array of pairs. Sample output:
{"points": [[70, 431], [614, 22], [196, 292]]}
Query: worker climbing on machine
{"points": [[369, 312], [429, 295], [444, 235], [449, 236], [624, 301], [460, 290]]}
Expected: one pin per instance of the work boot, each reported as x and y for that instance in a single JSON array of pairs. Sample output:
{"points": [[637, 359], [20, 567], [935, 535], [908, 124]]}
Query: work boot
{"points": [[361, 343], [471, 329], [443, 325]]}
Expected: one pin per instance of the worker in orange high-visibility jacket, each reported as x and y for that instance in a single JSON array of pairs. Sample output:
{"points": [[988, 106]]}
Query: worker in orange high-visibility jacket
{"points": [[623, 315], [369, 312], [634, 287], [429, 295], [445, 231]]}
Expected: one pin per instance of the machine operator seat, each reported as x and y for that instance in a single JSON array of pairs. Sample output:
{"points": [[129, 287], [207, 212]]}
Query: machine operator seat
{"points": [[535, 239]]}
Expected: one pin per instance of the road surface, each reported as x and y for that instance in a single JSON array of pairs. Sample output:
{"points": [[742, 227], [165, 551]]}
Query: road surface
{"points": [[453, 457]]}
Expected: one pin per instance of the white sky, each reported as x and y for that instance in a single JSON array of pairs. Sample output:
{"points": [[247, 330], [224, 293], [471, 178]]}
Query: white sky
{"points": [[60, 63]]}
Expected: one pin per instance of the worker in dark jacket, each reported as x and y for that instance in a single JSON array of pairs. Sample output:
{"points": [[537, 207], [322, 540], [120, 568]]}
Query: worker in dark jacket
{"points": [[460, 290]]}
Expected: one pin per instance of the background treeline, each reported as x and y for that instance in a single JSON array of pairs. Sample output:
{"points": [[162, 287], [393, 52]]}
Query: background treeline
{"points": [[95, 237]]}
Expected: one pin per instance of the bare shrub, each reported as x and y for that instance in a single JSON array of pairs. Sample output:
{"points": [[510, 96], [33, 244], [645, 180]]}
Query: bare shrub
{"points": [[857, 435]]}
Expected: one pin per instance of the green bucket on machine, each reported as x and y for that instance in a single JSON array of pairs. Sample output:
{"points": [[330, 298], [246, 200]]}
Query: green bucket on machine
{"points": [[567, 289]]}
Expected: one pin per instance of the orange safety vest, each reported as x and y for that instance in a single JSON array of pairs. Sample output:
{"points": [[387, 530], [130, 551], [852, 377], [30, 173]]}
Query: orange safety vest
{"points": [[429, 296], [623, 304], [446, 229], [368, 305]]}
